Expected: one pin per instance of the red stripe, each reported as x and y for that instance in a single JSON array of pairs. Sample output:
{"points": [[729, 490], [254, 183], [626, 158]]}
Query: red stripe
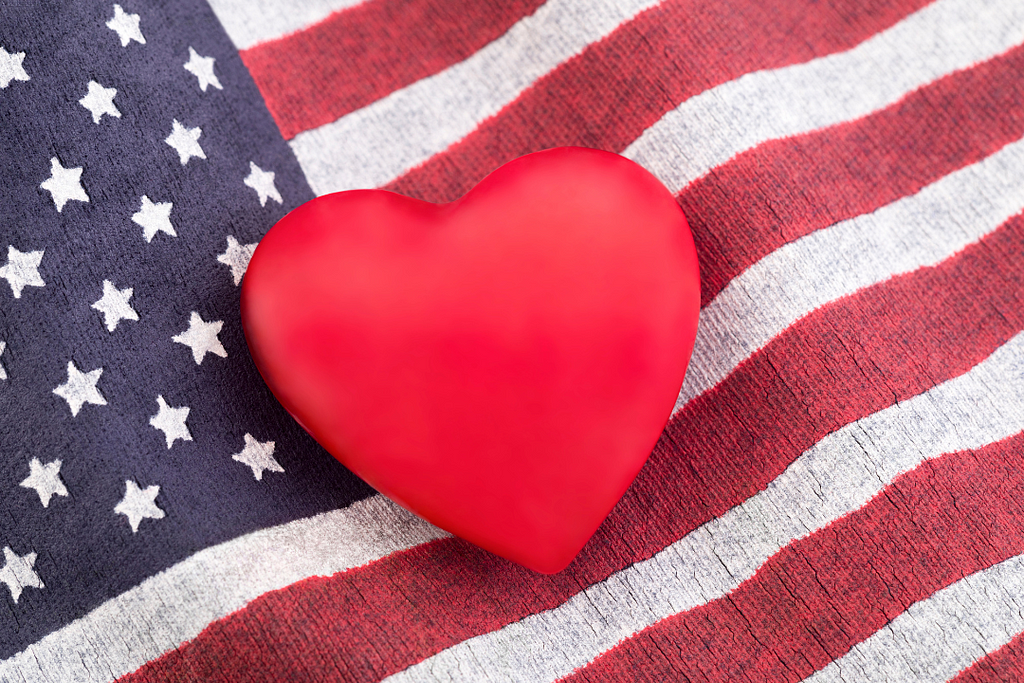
{"points": [[607, 95], [361, 54], [823, 594], [1005, 664], [788, 188], [843, 362]]}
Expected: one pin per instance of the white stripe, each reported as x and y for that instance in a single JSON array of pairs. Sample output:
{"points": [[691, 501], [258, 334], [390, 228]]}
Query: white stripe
{"points": [[374, 145], [249, 22], [942, 635], [916, 231], [835, 477], [711, 128], [175, 605]]}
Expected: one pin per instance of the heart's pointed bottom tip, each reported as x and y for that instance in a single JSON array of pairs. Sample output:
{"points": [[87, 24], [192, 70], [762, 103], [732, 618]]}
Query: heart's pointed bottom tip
{"points": [[548, 561]]}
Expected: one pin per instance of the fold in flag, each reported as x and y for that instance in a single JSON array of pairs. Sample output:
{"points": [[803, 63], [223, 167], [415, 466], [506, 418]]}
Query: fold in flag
{"points": [[836, 497]]}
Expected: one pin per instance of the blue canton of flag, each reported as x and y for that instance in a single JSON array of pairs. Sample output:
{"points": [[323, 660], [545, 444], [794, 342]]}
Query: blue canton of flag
{"points": [[141, 168]]}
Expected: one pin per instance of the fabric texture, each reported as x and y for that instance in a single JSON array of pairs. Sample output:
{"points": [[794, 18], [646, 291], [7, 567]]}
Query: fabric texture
{"points": [[836, 497]]}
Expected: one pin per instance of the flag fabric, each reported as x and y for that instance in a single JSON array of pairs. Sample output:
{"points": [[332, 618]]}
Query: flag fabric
{"points": [[836, 497]]}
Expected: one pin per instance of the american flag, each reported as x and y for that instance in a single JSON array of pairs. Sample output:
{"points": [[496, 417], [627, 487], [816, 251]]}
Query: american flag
{"points": [[837, 496]]}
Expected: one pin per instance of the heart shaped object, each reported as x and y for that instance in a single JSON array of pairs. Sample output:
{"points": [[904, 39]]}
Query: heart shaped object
{"points": [[501, 365]]}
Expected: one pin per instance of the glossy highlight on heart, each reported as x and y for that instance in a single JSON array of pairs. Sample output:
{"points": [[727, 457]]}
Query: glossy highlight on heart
{"points": [[500, 365]]}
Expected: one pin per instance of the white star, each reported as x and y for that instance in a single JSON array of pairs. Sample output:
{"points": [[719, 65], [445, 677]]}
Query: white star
{"points": [[263, 182], [202, 68], [139, 504], [154, 218], [202, 337], [100, 101], [114, 305], [127, 26], [237, 256], [3, 373], [171, 421], [64, 184], [11, 68], [185, 142], [18, 573], [45, 479], [22, 270], [81, 388], [258, 456]]}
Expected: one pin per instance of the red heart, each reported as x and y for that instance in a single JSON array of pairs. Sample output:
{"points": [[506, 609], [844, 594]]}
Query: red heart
{"points": [[501, 365]]}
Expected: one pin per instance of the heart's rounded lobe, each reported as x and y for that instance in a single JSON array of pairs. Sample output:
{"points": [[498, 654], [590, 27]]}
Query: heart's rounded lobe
{"points": [[501, 365]]}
